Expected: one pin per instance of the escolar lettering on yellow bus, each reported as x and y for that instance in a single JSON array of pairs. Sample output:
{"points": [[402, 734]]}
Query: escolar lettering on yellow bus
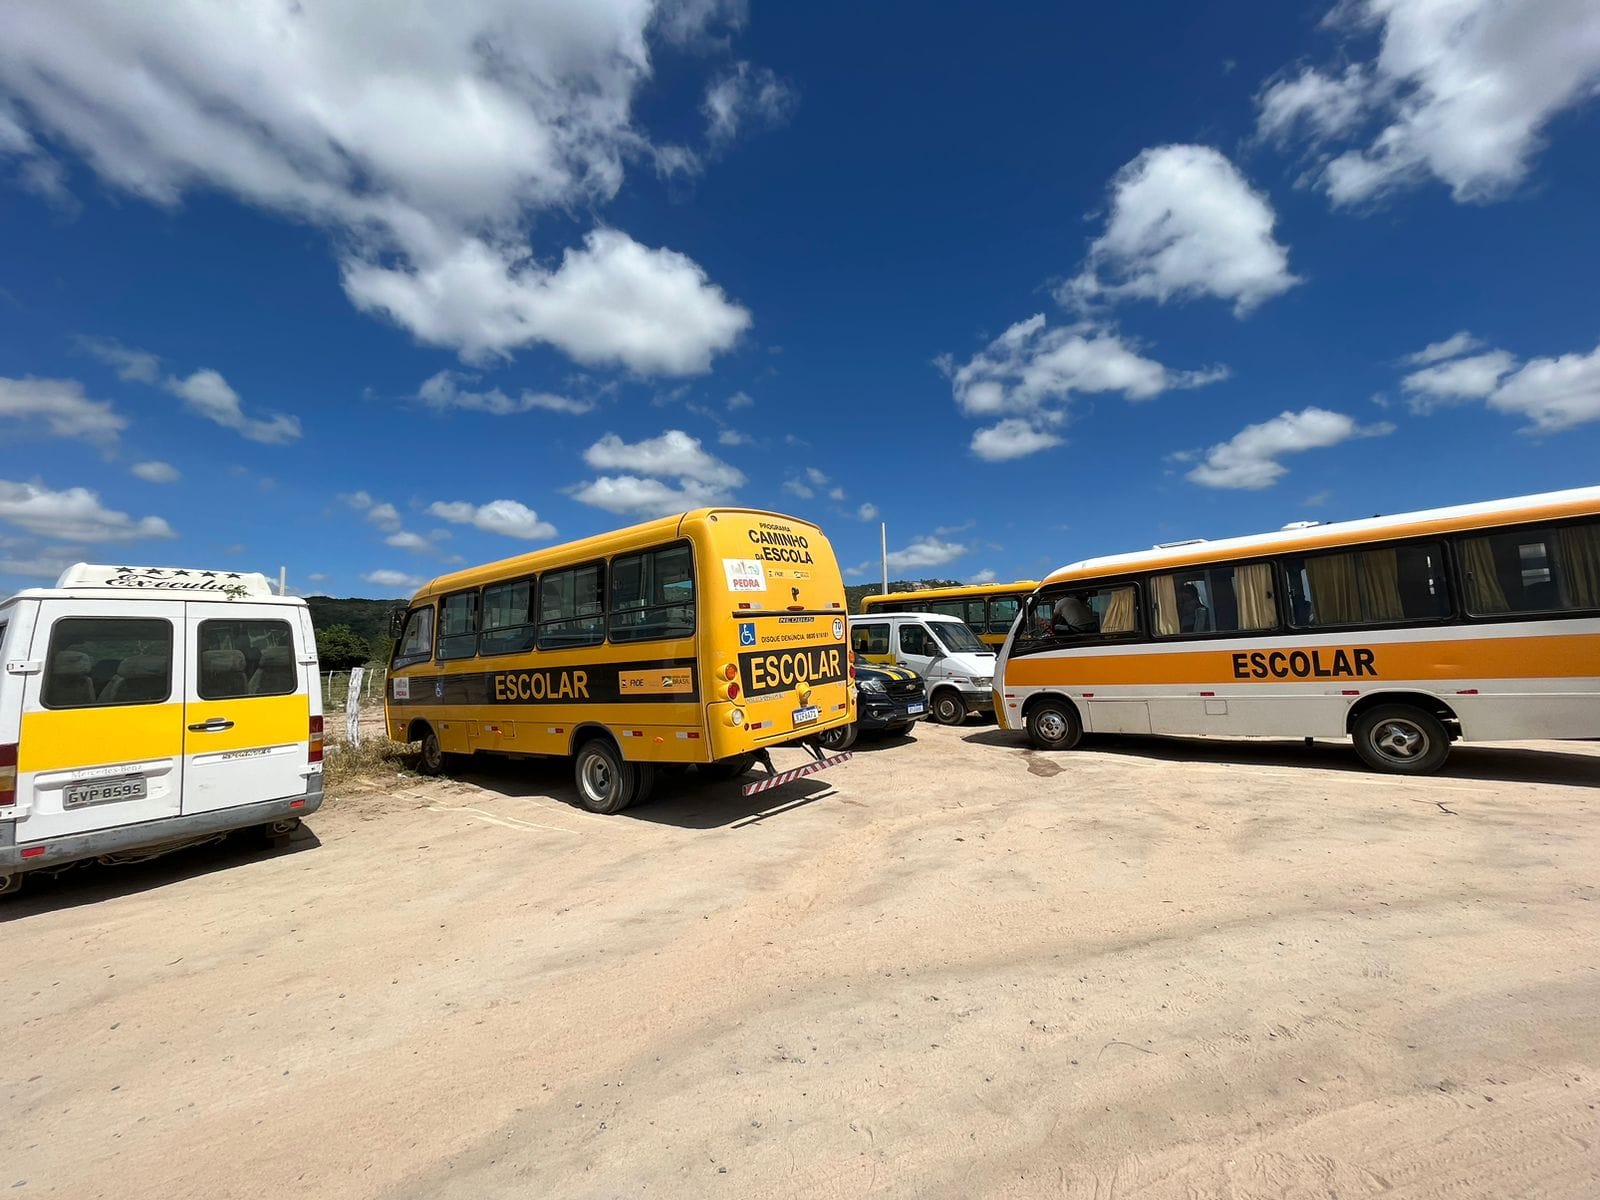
{"points": [[774, 672], [1304, 664], [511, 686]]}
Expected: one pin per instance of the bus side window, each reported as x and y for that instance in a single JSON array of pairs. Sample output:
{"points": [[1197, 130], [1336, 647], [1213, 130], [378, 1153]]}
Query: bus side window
{"points": [[1002, 613], [652, 595], [572, 607], [507, 618], [458, 626], [416, 643]]}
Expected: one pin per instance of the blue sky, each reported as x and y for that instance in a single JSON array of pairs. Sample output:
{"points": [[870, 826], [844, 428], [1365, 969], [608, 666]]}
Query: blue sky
{"points": [[370, 298]]}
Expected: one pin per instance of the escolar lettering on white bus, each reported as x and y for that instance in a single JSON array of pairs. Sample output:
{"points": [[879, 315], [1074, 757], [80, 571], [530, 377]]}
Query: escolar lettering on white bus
{"points": [[1304, 664]]}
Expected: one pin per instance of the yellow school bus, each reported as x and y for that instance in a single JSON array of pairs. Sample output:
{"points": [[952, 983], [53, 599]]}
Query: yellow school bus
{"points": [[988, 608], [1404, 633], [704, 638]]}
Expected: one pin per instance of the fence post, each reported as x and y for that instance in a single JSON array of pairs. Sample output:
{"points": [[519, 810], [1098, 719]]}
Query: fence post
{"points": [[352, 708]]}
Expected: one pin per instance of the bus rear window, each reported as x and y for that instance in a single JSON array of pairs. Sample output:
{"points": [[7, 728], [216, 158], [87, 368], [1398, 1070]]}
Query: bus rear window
{"points": [[1532, 570]]}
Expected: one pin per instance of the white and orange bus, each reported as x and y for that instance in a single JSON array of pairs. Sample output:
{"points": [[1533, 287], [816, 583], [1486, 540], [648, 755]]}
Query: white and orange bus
{"points": [[704, 638], [1405, 633]]}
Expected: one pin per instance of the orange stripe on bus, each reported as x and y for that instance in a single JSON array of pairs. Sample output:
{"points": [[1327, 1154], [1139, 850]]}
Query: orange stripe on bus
{"points": [[1574, 656]]}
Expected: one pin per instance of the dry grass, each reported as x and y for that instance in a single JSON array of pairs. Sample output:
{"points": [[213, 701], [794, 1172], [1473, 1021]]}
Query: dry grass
{"points": [[375, 760]]}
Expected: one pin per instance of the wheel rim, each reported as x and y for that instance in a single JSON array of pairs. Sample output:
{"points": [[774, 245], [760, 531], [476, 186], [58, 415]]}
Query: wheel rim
{"points": [[597, 778], [432, 755], [832, 737], [949, 709], [1052, 725], [1399, 740]]}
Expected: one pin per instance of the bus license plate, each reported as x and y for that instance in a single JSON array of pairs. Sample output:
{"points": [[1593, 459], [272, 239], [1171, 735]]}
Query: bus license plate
{"points": [[103, 791], [913, 709], [804, 716]]}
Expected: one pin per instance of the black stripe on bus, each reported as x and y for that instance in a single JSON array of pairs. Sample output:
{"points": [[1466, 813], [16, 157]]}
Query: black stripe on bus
{"points": [[644, 682]]}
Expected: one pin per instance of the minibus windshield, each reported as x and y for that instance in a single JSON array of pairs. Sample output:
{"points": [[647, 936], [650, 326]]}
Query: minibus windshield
{"points": [[956, 638]]}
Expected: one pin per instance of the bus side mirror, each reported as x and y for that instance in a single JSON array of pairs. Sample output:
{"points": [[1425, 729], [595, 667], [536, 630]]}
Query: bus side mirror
{"points": [[397, 623]]}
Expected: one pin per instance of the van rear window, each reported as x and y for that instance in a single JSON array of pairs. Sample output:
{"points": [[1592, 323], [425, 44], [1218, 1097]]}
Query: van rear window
{"points": [[99, 661], [246, 658]]}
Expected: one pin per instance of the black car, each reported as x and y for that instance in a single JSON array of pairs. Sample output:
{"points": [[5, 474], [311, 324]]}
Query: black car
{"points": [[888, 700]]}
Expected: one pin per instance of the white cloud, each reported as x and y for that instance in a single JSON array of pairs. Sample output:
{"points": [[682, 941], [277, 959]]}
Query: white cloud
{"points": [[60, 408], [924, 552], [208, 395], [836, 493], [1323, 106], [1473, 378], [611, 302], [394, 580], [1555, 393], [672, 455], [423, 147], [42, 564], [509, 518], [156, 472], [1184, 223], [404, 539], [739, 400], [732, 437], [317, 577], [443, 392], [647, 497], [75, 515], [816, 477], [746, 96], [1250, 458], [1011, 438], [1459, 343], [984, 576], [1029, 374], [1460, 90], [796, 488], [867, 512], [132, 366], [358, 500], [384, 516]]}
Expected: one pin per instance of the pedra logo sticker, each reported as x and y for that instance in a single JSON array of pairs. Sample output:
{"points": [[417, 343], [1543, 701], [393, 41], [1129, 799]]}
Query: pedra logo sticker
{"points": [[745, 574], [1305, 664]]}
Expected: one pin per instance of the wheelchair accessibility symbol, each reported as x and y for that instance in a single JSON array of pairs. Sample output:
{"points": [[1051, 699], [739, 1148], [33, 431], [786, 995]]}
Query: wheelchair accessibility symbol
{"points": [[747, 633]]}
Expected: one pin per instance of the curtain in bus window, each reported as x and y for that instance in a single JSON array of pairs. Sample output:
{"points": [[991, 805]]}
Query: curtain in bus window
{"points": [[1166, 593], [1335, 594], [1252, 587], [1484, 594], [1380, 570], [1578, 557], [1118, 615]]}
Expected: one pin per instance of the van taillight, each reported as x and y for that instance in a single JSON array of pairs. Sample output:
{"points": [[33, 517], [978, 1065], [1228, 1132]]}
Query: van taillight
{"points": [[8, 775], [315, 754]]}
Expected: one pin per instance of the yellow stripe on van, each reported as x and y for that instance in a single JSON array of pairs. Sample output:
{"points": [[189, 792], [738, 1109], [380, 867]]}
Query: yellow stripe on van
{"points": [[257, 721], [57, 740]]}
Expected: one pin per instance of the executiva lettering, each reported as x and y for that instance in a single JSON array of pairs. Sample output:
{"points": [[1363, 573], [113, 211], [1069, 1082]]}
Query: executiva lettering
{"points": [[768, 672], [1304, 664], [540, 685], [773, 546]]}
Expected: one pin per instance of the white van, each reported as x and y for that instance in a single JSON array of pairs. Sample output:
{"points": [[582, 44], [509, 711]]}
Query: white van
{"points": [[942, 649], [142, 708]]}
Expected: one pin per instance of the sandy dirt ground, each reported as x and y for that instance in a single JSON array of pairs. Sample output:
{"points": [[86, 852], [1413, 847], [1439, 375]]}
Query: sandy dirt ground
{"points": [[951, 967]]}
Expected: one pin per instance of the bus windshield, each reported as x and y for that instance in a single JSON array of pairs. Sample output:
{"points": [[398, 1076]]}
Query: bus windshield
{"points": [[957, 638]]}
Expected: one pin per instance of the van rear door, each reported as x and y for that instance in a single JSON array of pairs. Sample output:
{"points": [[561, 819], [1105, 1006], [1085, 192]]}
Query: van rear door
{"points": [[101, 735], [248, 705]]}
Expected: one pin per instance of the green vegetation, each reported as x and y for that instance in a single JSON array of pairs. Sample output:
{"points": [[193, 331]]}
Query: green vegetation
{"points": [[365, 621]]}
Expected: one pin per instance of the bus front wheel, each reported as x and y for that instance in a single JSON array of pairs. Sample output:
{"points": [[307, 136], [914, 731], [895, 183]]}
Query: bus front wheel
{"points": [[1053, 725], [1401, 740], [432, 760], [606, 782]]}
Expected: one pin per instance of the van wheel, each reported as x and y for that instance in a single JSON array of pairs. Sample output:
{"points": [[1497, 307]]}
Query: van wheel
{"points": [[10, 885], [1401, 740], [727, 768], [839, 738], [606, 783], [432, 759], [1053, 725], [948, 707]]}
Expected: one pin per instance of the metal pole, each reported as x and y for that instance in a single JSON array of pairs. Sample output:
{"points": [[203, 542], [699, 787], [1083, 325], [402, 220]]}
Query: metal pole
{"points": [[883, 544], [283, 581]]}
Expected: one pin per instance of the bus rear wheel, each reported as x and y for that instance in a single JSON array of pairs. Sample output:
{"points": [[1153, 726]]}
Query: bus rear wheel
{"points": [[607, 783], [1053, 725], [1401, 739]]}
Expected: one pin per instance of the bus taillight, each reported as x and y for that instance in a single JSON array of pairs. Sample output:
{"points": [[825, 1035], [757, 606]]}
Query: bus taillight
{"points": [[8, 775]]}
